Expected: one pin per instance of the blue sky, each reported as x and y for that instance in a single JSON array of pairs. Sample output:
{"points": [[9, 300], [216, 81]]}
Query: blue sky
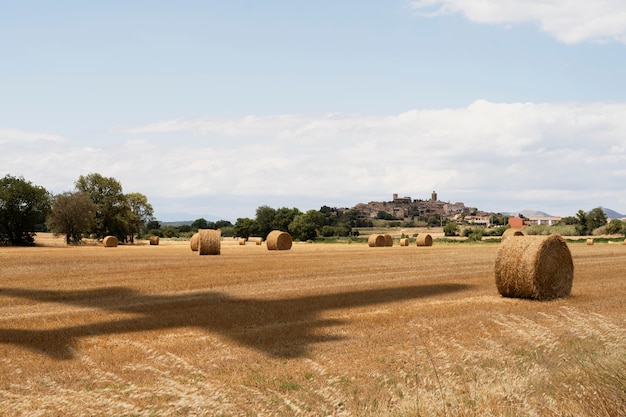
{"points": [[212, 109]]}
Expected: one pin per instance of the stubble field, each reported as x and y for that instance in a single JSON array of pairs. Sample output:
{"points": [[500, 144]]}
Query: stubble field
{"points": [[320, 330]]}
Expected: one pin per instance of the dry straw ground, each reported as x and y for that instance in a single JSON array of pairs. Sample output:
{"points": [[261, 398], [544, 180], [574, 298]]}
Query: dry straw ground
{"points": [[318, 330]]}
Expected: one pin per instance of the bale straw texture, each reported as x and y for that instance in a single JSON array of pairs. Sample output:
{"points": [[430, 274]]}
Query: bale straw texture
{"points": [[193, 242], [537, 267], [404, 241], [110, 242], [242, 241], [388, 240], [278, 240], [154, 240], [376, 241], [209, 241], [424, 239], [512, 232]]}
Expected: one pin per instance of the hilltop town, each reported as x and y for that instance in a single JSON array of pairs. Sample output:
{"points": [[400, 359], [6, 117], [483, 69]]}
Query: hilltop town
{"points": [[406, 208]]}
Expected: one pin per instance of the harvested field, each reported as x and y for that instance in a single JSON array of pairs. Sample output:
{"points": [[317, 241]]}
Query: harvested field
{"points": [[317, 330]]}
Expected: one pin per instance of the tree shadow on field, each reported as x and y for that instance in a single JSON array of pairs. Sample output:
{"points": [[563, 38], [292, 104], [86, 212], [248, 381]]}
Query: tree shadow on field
{"points": [[282, 328]]}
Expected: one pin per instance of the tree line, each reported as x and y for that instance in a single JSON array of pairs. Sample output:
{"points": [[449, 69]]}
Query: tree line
{"points": [[96, 207]]}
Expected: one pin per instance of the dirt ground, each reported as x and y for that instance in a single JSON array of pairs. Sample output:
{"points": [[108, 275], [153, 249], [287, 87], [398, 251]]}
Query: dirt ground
{"points": [[321, 329]]}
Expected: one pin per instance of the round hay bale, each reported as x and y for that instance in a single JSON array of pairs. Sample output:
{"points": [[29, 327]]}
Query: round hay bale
{"points": [[110, 242], [589, 242], [538, 267], [376, 241], [404, 241], [193, 242], [259, 241], [209, 241], [242, 241], [278, 240], [512, 232], [154, 240], [424, 239], [388, 240]]}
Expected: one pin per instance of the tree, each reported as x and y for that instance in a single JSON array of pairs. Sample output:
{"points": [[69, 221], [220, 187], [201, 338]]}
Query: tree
{"points": [[245, 227], [73, 214], [200, 223], [595, 218], [283, 218], [615, 227], [305, 226], [265, 219], [23, 206], [581, 226], [451, 229], [140, 212], [112, 215]]}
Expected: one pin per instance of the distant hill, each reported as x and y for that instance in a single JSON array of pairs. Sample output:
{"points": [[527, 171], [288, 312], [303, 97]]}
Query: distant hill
{"points": [[528, 213], [612, 214]]}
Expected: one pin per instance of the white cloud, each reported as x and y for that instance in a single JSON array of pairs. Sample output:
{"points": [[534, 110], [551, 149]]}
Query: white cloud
{"points": [[497, 156], [570, 21]]}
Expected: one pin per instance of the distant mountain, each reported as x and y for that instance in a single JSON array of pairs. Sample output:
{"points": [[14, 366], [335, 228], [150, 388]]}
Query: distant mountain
{"points": [[528, 213], [612, 214]]}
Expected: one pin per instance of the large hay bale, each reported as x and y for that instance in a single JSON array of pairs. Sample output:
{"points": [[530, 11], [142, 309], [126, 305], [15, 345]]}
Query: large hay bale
{"points": [[388, 240], [537, 267], [512, 232], [154, 240], [424, 239], [589, 242], [278, 240], [242, 241], [110, 242], [376, 241], [209, 241], [193, 242], [404, 241]]}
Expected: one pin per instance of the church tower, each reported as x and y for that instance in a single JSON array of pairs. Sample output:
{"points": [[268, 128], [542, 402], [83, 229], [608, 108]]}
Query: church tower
{"points": [[433, 196]]}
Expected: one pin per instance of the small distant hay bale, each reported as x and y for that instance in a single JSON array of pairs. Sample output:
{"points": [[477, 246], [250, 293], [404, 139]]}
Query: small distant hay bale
{"points": [[110, 242], [404, 241], [194, 242], [537, 267], [424, 239], [388, 240], [589, 242], [154, 240], [242, 241], [376, 241], [278, 240], [209, 241], [259, 241], [512, 232]]}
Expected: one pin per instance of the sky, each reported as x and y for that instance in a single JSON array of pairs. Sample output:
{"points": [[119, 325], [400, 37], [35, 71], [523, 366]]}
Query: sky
{"points": [[214, 108]]}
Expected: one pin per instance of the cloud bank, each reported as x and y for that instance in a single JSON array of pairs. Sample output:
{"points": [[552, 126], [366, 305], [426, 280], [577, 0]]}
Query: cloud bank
{"points": [[496, 156], [570, 21]]}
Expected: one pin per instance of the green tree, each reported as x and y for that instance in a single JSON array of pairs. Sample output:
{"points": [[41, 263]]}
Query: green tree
{"points": [[581, 225], [306, 226], [112, 214], [596, 218], [200, 223], [23, 206], [72, 214], [246, 227], [140, 212], [615, 227], [265, 219], [451, 229], [283, 218]]}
